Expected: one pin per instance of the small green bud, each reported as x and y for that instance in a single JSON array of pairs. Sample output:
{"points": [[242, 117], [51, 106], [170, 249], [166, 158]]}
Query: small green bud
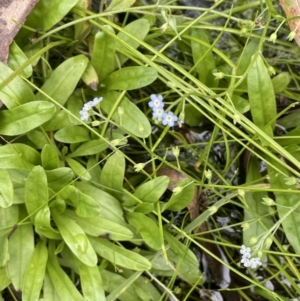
{"points": [[176, 151], [292, 35], [138, 167], [177, 190], [273, 37], [120, 111], [253, 241], [208, 174], [268, 202], [212, 210], [245, 226]]}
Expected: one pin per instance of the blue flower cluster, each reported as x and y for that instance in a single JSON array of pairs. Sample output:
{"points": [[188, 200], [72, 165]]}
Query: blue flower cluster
{"points": [[157, 105], [84, 113], [247, 259]]}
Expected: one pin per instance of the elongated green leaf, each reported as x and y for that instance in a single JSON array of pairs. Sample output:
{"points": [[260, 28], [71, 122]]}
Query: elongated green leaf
{"points": [[261, 94], [89, 148], [151, 191], [134, 32], [91, 282], [38, 138], [90, 77], [21, 246], [181, 199], [72, 134], [25, 117], [288, 204], [281, 81], [75, 238], [59, 178], [36, 191], [8, 218], [113, 282], [130, 78], [112, 175], [60, 120], [132, 121], [63, 80], [17, 58], [256, 214], [18, 156], [49, 156], [97, 226], [120, 256], [62, 284], [147, 228], [43, 224], [6, 189], [245, 61], [78, 169], [46, 14], [87, 206], [203, 57], [110, 207], [187, 266], [103, 55], [34, 275], [4, 280], [49, 291], [17, 92]]}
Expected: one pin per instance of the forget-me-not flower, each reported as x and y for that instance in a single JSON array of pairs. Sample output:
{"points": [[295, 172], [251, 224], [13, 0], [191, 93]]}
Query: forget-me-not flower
{"points": [[84, 114], [156, 101], [158, 113], [169, 119], [245, 251], [87, 106], [96, 101], [254, 262]]}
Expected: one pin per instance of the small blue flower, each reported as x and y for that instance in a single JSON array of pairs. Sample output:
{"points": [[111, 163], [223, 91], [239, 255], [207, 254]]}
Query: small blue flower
{"points": [[156, 101], [96, 101], [254, 262], [158, 113], [245, 261], [169, 119], [245, 251], [88, 106], [84, 114]]}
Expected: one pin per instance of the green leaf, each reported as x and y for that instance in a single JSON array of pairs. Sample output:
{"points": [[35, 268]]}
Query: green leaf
{"points": [[49, 156], [113, 281], [72, 134], [112, 175], [280, 82], [21, 246], [64, 79], [130, 78], [151, 191], [46, 14], [17, 58], [25, 117], [6, 189], [60, 120], [43, 225], [62, 285], [256, 214], [261, 94], [120, 4], [91, 282], [110, 207], [75, 238], [240, 104], [147, 228], [38, 138], [120, 256], [132, 121], [97, 226], [36, 191], [181, 199], [132, 34], [59, 178], [18, 156], [16, 92], [187, 266], [49, 290], [78, 169], [90, 77], [4, 280], [203, 57], [245, 61], [34, 275], [103, 54], [287, 204], [87, 206], [89, 148]]}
